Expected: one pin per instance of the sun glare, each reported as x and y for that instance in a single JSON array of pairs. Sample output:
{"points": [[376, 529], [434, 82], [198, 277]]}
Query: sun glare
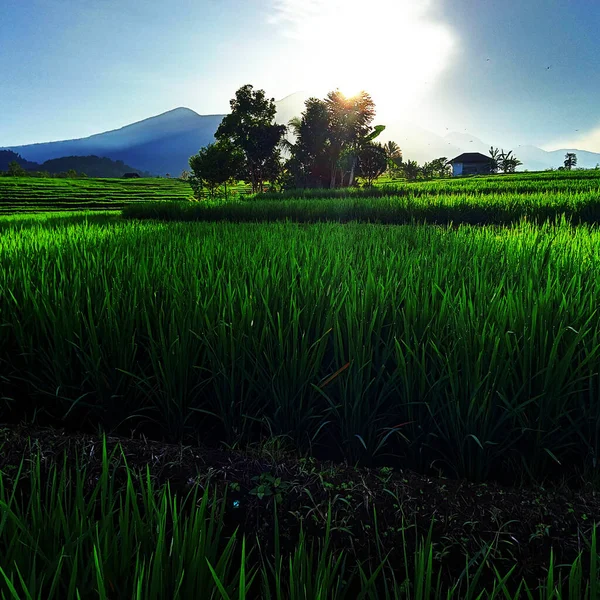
{"points": [[393, 49]]}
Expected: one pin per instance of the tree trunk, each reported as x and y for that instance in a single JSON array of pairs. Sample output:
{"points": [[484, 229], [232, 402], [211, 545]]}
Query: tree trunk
{"points": [[351, 181], [333, 177]]}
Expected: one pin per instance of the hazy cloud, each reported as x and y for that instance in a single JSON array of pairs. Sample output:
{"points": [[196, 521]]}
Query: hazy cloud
{"points": [[589, 141]]}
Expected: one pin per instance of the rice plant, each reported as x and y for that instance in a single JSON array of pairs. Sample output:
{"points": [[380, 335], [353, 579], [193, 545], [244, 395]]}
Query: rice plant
{"points": [[66, 533], [470, 350]]}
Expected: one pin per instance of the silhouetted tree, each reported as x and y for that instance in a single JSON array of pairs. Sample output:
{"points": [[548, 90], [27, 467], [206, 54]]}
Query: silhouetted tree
{"points": [[215, 165], [372, 162], [495, 156], [251, 129], [349, 129], [570, 160], [308, 165]]}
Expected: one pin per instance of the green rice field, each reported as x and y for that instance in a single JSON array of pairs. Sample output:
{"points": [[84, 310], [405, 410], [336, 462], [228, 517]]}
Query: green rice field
{"points": [[38, 194], [420, 356]]}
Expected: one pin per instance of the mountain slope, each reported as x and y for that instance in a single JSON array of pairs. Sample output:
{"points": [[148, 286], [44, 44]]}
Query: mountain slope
{"points": [[160, 145], [164, 143]]}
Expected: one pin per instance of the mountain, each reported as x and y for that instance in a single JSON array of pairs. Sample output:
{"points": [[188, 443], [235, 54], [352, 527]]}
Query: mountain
{"points": [[92, 166], [164, 143], [7, 156], [160, 145]]}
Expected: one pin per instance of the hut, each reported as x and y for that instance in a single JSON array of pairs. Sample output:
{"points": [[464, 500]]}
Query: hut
{"points": [[471, 163]]}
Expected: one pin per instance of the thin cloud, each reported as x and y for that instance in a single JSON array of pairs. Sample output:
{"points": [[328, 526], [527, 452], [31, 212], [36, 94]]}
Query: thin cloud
{"points": [[589, 141]]}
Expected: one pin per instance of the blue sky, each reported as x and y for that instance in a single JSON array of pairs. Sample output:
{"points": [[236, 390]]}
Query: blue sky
{"points": [[70, 68]]}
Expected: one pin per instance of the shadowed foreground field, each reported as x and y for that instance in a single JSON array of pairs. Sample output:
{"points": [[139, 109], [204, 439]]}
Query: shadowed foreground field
{"points": [[303, 410]]}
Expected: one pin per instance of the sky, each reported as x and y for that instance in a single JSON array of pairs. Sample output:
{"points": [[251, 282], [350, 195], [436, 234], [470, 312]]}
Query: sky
{"points": [[509, 72]]}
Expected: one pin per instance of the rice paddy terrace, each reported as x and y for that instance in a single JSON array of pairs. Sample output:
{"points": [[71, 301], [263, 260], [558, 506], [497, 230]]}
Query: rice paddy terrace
{"points": [[442, 337], [41, 194]]}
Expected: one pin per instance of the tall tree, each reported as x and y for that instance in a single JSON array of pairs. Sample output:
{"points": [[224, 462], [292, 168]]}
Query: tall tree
{"points": [[349, 128], [570, 160], [393, 155], [309, 160], [251, 128], [495, 156]]}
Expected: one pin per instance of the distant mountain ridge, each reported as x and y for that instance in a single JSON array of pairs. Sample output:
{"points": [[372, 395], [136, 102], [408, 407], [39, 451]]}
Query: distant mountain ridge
{"points": [[163, 144], [159, 145], [92, 166]]}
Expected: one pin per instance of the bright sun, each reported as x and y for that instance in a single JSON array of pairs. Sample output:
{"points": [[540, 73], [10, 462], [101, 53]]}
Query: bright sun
{"points": [[392, 49]]}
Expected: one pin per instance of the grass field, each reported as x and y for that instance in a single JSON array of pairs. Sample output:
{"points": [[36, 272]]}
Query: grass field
{"points": [[33, 194], [478, 200], [430, 388]]}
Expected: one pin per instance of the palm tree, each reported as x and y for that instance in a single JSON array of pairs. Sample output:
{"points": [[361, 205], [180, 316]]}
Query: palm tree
{"points": [[570, 160], [393, 155], [508, 163], [350, 129], [495, 154]]}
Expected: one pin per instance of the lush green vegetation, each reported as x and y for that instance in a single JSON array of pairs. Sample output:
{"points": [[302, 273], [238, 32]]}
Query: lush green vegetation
{"points": [[417, 352], [87, 525], [475, 350], [538, 197], [33, 195]]}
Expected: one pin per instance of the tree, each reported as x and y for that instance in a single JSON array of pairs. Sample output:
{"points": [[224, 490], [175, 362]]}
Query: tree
{"points": [[215, 165], [308, 165], [507, 162], [411, 170], [15, 169], [251, 129], [570, 160], [438, 167], [349, 130], [495, 156], [372, 162], [393, 155]]}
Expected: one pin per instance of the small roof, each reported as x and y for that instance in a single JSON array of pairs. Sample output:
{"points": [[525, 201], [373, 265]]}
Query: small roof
{"points": [[471, 157]]}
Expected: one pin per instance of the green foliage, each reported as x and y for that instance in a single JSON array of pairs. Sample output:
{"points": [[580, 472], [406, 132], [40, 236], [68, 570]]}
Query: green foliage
{"points": [[570, 160], [309, 163], [202, 328], [507, 163], [251, 129], [411, 170], [216, 165], [495, 156], [393, 155], [329, 137], [438, 167], [74, 534], [372, 162], [15, 170]]}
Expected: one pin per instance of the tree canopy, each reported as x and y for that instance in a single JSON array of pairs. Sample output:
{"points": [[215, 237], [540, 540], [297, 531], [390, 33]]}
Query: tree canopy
{"points": [[216, 165], [250, 128]]}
